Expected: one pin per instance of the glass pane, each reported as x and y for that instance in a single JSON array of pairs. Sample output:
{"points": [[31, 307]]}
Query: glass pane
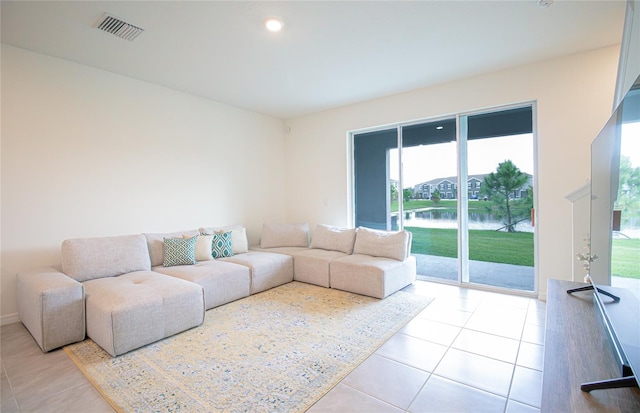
{"points": [[429, 159], [500, 190]]}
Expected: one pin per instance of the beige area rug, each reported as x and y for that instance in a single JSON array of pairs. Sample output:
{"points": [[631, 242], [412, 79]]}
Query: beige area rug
{"points": [[277, 351]]}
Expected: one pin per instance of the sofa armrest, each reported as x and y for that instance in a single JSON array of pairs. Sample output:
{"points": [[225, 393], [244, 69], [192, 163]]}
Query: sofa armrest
{"points": [[51, 306]]}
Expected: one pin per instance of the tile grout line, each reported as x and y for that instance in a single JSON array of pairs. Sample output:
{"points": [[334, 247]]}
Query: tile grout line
{"points": [[13, 394]]}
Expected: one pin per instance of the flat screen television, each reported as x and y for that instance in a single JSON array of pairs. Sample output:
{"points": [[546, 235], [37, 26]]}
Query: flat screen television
{"points": [[619, 308]]}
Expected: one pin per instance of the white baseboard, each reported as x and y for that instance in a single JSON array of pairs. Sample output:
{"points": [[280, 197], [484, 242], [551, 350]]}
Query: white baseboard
{"points": [[9, 319], [542, 296]]}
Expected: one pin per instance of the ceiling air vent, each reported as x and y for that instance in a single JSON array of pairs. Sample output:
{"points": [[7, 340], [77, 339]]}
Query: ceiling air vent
{"points": [[118, 27]]}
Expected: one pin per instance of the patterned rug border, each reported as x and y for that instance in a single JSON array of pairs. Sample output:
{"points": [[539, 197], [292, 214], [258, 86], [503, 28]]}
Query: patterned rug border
{"points": [[96, 385], [420, 302]]}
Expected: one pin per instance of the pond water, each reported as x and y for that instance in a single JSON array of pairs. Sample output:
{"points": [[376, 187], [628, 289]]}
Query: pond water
{"points": [[440, 218]]}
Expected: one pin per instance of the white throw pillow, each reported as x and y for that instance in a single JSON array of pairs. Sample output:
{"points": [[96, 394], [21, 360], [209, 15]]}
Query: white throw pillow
{"points": [[285, 235], [389, 244], [203, 246], [333, 239], [239, 243]]}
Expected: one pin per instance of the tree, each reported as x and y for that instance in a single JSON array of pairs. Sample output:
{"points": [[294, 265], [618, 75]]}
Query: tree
{"points": [[394, 192], [435, 196], [629, 189], [407, 194], [499, 187]]}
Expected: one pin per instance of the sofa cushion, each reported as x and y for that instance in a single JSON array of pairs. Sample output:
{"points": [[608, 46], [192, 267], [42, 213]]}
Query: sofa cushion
{"points": [[203, 246], [88, 258], [389, 244], [239, 242], [312, 265], [267, 270], [285, 235], [155, 244], [179, 251], [373, 276], [221, 246], [222, 281], [334, 239]]}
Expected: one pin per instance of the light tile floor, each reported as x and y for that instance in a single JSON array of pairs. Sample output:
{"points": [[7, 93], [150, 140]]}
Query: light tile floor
{"points": [[468, 351]]}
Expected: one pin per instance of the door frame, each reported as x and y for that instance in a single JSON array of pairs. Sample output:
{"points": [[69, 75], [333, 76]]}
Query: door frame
{"points": [[463, 250]]}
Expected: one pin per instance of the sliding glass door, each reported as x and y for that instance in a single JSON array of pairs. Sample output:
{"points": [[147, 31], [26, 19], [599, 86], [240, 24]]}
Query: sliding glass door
{"points": [[499, 187], [462, 185]]}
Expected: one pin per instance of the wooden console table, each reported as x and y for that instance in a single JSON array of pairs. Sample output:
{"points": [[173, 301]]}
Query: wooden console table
{"points": [[577, 350]]}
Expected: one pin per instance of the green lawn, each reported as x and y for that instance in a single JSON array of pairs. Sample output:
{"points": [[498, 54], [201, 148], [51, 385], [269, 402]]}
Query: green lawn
{"points": [[625, 258], [491, 246], [512, 248]]}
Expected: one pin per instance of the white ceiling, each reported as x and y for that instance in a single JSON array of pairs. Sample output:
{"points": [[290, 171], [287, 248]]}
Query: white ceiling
{"points": [[330, 54]]}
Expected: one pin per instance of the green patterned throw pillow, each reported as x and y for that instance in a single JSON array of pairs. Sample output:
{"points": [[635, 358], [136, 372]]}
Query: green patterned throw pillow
{"points": [[221, 245], [179, 251]]}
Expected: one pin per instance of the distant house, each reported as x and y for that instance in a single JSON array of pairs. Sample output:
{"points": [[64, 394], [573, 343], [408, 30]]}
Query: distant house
{"points": [[448, 187]]}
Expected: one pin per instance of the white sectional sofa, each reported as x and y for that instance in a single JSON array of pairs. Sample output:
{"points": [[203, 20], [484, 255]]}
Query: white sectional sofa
{"points": [[128, 291]]}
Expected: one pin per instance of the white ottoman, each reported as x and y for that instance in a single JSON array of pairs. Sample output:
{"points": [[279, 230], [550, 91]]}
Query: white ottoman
{"points": [[138, 308]]}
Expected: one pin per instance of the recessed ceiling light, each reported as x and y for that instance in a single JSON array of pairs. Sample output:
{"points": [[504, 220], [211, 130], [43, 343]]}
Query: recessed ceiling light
{"points": [[439, 127], [273, 24]]}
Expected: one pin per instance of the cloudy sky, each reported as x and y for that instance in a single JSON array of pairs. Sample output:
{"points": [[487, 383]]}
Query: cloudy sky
{"points": [[630, 142], [424, 163]]}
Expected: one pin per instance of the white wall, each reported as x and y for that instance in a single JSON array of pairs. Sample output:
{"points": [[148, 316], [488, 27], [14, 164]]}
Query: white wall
{"points": [[574, 97], [89, 153]]}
